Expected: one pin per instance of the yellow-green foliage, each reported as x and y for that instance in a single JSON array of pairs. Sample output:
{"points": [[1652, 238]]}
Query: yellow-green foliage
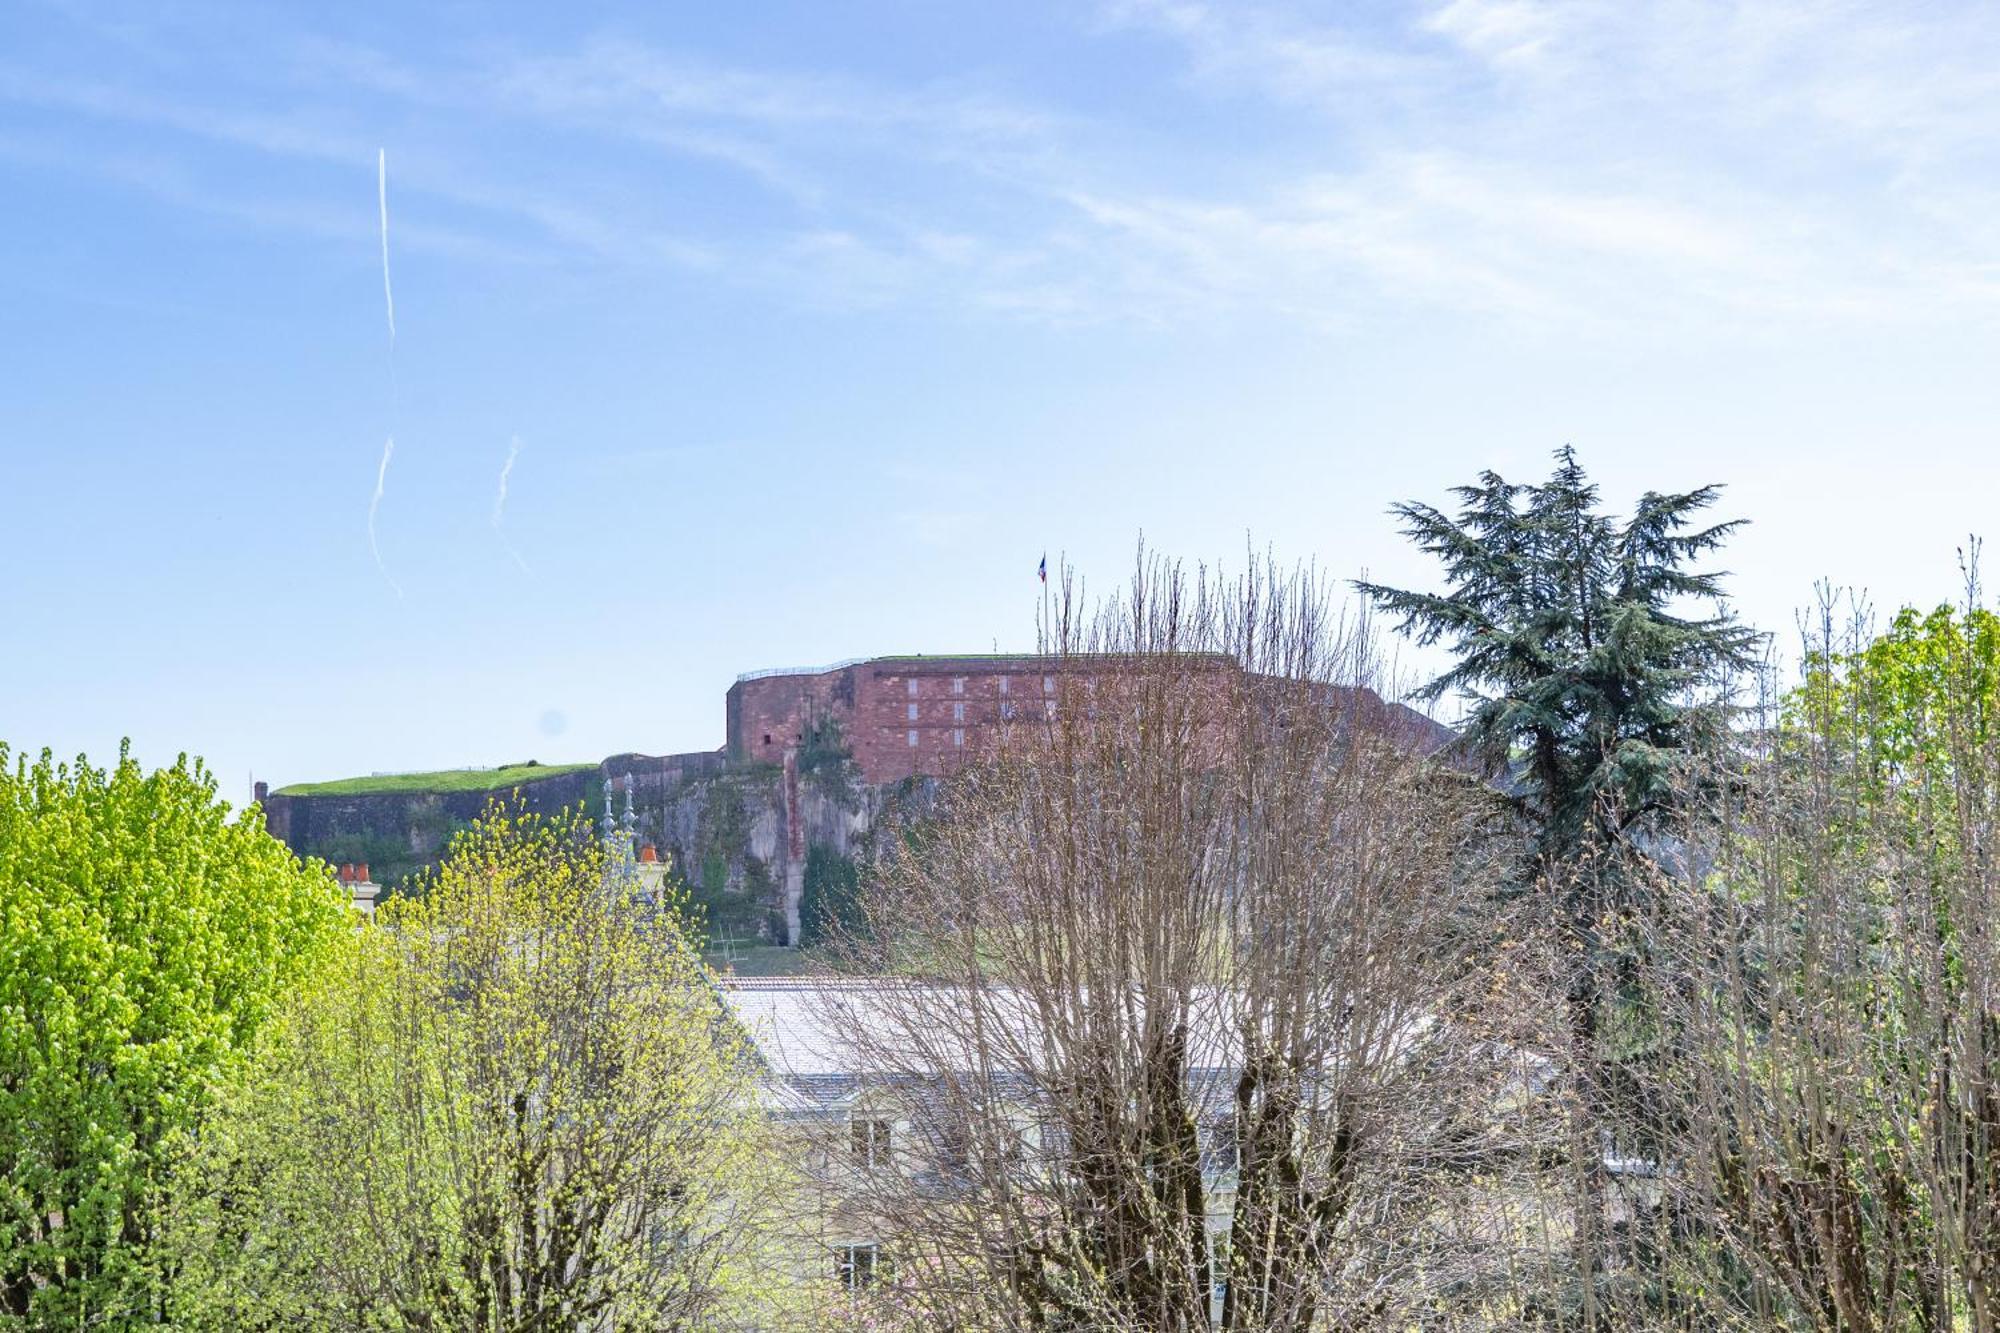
{"points": [[514, 1102], [144, 936], [1909, 718]]}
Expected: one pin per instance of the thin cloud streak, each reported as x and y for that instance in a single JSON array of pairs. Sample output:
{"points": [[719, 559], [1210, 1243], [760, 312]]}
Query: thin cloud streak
{"points": [[382, 193], [500, 503], [375, 503]]}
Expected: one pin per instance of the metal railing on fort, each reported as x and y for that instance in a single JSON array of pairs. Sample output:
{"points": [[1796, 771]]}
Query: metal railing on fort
{"points": [[764, 672]]}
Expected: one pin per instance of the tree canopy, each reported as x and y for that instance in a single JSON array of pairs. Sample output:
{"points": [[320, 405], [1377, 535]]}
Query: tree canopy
{"points": [[145, 936], [1575, 640], [514, 1102]]}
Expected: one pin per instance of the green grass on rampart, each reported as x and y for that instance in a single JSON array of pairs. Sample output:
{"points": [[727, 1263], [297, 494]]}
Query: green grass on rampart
{"points": [[451, 779]]}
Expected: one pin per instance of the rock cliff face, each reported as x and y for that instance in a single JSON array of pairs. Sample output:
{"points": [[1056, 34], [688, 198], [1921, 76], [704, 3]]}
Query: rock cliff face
{"points": [[737, 835], [740, 837], [409, 825], [398, 833]]}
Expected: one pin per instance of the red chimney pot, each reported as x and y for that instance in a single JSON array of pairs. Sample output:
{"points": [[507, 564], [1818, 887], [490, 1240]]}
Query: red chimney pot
{"points": [[347, 872], [361, 873], [649, 854]]}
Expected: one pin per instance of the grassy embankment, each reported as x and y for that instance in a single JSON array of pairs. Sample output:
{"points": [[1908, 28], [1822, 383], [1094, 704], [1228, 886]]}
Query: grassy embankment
{"points": [[451, 779]]}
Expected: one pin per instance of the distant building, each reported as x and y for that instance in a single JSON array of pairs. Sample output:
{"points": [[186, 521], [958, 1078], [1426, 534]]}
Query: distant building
{"points": [[895, 718], [903, 717], [848, 1125]]}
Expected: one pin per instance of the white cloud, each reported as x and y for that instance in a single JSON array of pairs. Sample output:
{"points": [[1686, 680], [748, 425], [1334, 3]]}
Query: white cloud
{"points": [[1557, 162], [1505, 32], [1262, 47]]}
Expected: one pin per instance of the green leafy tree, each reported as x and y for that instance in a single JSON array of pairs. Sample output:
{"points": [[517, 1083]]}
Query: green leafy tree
{"points": [[1922, 695], [145, 936], [1847, 1013], [1580, 647], [830, 897], [514, 1103]]}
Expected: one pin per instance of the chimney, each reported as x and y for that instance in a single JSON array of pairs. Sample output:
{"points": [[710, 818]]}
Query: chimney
{"points": [[361, 874], [362, 894], [347, 872], [648, 854], [260, 792]]}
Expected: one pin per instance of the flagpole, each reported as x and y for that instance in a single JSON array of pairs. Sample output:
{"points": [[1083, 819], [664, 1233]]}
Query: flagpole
{"points": [[1047, 632], [1049, 643]]}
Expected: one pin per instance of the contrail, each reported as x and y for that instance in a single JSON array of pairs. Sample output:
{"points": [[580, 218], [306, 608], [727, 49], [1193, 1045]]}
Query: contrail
{"points": [[382, 194], [388, 296], [382, 475], [506, 470], [500, 501]]}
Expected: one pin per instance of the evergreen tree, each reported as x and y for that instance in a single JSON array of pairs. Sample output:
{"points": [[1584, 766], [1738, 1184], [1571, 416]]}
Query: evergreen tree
{"points": [[1588, 669], [1583, 674]]}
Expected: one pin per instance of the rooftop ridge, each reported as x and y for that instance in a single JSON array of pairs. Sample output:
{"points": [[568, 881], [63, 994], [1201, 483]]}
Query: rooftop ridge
{"points": [[1029, 655]]}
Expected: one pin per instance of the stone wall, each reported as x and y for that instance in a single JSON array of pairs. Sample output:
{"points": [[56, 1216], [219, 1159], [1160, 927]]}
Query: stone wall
{"points": [[765, 715], [736, 835], [401, 832]]}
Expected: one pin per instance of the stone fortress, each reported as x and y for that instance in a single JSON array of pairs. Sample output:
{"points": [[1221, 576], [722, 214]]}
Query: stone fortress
{"points": [[901, 717], [811, 760]]}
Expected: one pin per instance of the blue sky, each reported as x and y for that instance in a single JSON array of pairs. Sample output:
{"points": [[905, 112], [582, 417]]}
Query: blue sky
{"points": [[817, 324]]}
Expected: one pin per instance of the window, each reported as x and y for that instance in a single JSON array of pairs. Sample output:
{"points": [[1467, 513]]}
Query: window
{"points": [[767, 738], [913, 712], [1007, 709], [958, 735], [1003, 687], [958, 712], [870, 1141], [1048, 684], [857, 1265], [913, 738], [1049, 709], [913, 687], [958, 685]]}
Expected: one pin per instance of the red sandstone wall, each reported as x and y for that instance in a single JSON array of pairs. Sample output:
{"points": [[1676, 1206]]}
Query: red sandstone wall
{"points": [[961, 705], [902, 716], [769, 714]]}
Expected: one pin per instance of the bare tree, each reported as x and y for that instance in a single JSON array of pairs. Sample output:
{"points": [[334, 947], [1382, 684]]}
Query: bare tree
{"points": [[1182, 1021]]}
